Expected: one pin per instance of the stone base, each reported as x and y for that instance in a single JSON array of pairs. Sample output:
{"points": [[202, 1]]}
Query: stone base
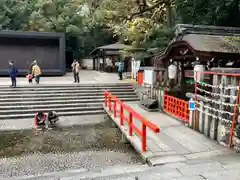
{"points": [[147, 109]]}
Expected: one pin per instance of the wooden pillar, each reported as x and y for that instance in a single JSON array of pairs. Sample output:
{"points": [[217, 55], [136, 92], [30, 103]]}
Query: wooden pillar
{"points": [[207, 120], [182, 82], [104, 59], [221, 129], [214, 121], [94, 62]]}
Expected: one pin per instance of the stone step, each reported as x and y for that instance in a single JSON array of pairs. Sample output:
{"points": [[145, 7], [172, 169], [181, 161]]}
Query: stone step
{"points": [[115, 170], [66, 85], [64, 113], [56, 86], [47, 105], [64, 99], [64, 91], [90, 93], [46, 108]]}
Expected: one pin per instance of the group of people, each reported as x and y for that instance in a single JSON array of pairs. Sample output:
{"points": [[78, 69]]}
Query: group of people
{"points": [[45, 120], [34, 72]]}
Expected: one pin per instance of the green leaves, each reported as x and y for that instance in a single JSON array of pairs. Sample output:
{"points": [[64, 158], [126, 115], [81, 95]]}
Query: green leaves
{"points": [[210, 12]]}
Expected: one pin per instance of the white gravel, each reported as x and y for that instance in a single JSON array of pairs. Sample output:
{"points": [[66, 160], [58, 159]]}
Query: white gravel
{"points": [[45, 163]]}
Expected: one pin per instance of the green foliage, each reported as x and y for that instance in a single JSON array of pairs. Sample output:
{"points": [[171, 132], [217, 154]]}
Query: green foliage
{"points": [[209, 12], [133, 21], [159, 37], [92, 23]]}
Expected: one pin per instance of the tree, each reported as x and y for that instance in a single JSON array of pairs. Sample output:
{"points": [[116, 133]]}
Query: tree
{"points": [[14, 14], [132, 21], [209, 12]]}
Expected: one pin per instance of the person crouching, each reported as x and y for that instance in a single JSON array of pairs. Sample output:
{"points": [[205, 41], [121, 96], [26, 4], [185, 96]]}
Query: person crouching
{"points": [[40, 120], [52, 118]]}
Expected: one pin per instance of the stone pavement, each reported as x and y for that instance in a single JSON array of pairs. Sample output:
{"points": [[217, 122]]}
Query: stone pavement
{"points": [[63, 121], [175, 142], [86, 77]]}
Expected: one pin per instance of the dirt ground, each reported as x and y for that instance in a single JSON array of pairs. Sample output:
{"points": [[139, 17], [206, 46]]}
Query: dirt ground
{"points": [[69, 139]]}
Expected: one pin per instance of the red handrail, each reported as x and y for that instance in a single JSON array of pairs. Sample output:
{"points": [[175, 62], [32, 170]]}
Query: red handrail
{"points": [[108, 98]]}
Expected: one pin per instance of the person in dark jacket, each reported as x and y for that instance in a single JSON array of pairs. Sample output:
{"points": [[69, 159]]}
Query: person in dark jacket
{"points": [[52, 119], [13, 71]]}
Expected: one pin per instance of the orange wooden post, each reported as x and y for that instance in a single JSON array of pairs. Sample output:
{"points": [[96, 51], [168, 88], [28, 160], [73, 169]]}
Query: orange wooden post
{"points": [[121, 113], [143, 137], [140, 77], [130, 124], [114, 108], [234, 116], [109, 103]]}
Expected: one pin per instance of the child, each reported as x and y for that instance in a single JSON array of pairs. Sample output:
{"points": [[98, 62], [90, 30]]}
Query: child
{"points": [[40, 120], [29, 77]]}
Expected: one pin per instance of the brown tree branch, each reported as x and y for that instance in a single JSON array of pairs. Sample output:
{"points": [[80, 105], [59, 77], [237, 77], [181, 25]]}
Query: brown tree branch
{"points": [[148, 8]]}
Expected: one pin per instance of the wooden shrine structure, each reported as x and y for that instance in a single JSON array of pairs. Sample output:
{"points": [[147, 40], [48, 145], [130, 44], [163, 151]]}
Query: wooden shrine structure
{"points": [[213, 46]]}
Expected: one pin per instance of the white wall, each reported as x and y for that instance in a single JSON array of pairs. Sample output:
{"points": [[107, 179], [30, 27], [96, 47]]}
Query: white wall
{"points": [[88, 63]]}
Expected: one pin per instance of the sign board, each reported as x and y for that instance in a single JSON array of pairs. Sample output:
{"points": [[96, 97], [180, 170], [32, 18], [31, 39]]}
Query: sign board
{"points": [[149, 76], [191, 105]]}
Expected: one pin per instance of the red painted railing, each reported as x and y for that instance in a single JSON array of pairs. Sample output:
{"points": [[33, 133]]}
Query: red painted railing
{"points": [[176, 107], [109, 99]]}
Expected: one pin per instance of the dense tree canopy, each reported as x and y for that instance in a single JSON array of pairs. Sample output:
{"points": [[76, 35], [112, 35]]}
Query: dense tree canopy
{"points": [[210, 12], [91, 23]]}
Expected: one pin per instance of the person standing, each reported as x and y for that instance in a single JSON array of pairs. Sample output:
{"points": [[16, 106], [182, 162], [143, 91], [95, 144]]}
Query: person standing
{"points": [[116, 65], [120, 69], [13, 73], [101, 64], [75, 70], [36, 71], [31, 65]]}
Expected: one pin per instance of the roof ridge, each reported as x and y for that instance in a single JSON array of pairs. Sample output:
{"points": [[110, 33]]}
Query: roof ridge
{"points": [[182, 29]]}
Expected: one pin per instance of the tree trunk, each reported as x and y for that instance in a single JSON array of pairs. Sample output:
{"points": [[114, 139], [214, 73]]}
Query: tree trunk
{"points": [[169, 15]]}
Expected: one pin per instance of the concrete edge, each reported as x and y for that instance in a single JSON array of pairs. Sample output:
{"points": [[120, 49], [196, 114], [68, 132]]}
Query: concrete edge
{"points": [[65, 121], [99, 84]]}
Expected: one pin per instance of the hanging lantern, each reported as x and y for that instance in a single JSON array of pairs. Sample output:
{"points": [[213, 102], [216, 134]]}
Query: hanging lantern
{"points": [[172, 71], [198, 71]]}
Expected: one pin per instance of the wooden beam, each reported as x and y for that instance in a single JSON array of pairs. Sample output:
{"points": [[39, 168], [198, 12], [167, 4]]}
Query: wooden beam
{"points": [[183, 57]]}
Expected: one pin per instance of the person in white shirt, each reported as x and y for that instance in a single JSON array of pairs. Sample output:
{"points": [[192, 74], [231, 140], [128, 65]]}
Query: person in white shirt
{"points": [[101, 64]]}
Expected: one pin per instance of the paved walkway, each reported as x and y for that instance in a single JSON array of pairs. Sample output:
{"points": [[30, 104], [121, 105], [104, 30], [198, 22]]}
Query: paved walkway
{"points": [[175, 142], [86, 77], [63, 121]]}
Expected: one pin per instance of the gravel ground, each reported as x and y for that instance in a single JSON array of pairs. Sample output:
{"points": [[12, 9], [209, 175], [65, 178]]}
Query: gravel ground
{"points": [[90, 146], [44, 163]]}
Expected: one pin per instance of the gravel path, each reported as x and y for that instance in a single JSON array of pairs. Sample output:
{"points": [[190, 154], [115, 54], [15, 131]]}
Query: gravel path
{"points": [[82, 146], [44, 163]]}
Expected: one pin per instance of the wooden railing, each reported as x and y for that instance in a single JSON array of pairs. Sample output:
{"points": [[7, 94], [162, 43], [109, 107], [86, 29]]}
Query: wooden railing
{"points": [[109, 99], [176, 107]]}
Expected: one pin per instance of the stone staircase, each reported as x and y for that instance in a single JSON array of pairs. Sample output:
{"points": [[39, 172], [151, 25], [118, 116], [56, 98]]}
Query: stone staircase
{"points": [[66, 100], [220, 168]]}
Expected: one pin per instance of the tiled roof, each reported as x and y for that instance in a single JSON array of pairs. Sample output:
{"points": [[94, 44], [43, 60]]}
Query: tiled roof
{"points": [[116, 47], [213, 43]]}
